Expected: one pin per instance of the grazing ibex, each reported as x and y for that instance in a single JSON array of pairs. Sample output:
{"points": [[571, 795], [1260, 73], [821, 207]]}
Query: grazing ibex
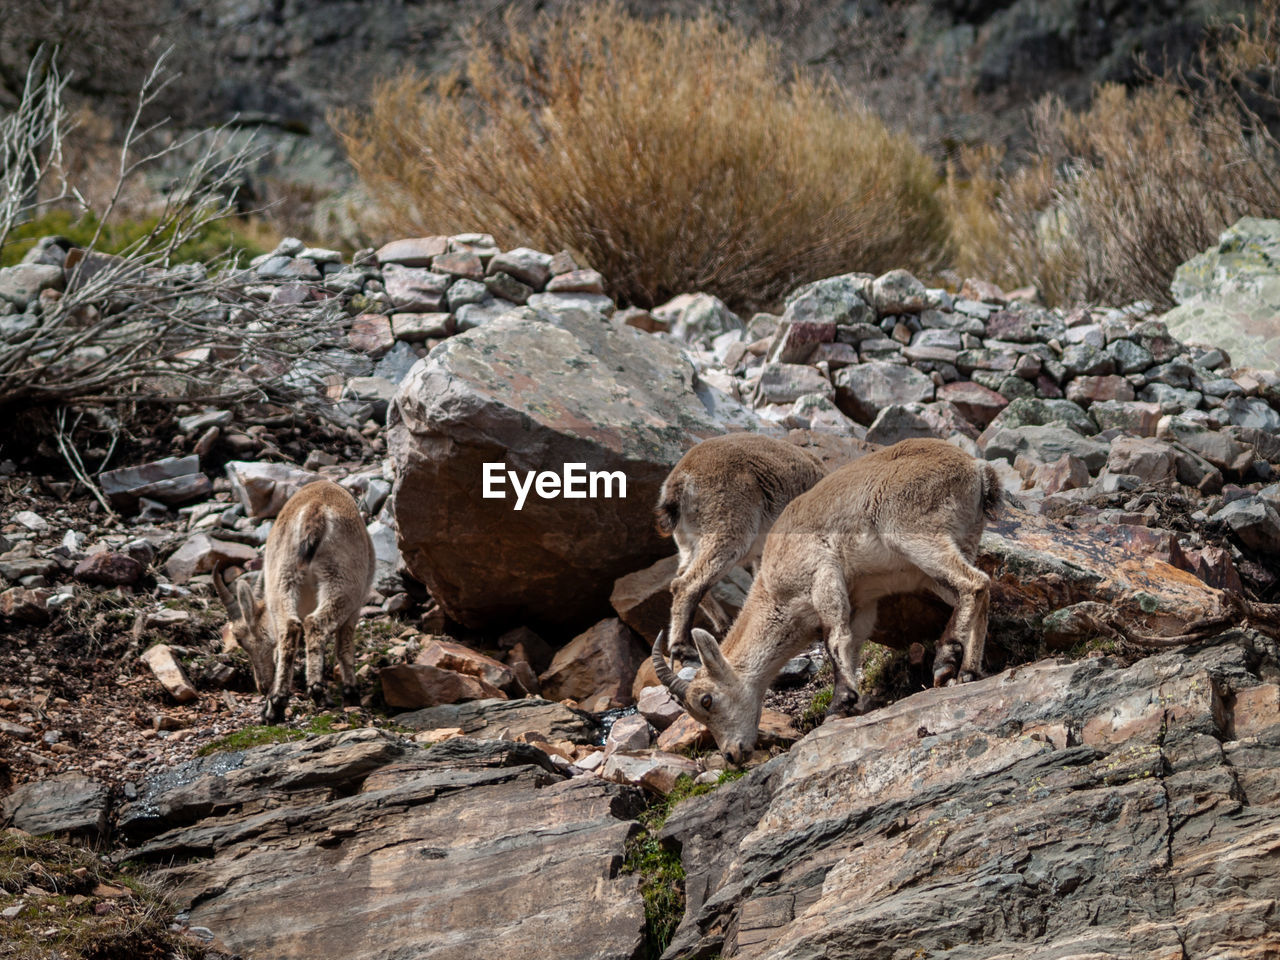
{"points": [[318, 568], [719, 502], [896, 521]]}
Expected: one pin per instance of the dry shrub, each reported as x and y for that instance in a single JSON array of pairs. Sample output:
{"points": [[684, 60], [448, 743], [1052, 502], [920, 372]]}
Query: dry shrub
{"points": [[673, 156], [1115, 197]]}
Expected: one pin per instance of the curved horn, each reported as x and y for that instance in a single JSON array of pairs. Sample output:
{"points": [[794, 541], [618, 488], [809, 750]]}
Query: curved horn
{"points": [[670, 680], [224, 593]]}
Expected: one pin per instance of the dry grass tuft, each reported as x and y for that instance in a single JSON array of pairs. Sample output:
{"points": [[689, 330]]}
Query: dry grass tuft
{"points": [[1115, 197], [673, 156]]}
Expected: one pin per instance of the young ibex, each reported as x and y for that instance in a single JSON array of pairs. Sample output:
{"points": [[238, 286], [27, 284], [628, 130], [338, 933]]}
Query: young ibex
{"points": [[719, 502], [318, 568], [898, 520]]}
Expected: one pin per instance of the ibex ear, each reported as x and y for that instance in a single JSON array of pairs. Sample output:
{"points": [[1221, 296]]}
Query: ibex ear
{"points": [[246, 600], [709, 653]]}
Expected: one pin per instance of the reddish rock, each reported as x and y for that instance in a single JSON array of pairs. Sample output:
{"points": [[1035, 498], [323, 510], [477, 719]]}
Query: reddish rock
{"points": [[1211, 564], [601, 662], [981, 290], [164, 665], [1068, 473], [975, 402], [460, 263], [627, 735], [108, 569], [413, 686], [643, 599], [576, 281], [1087, 390], [656, 771], [796, 341], [1152, 461], [25, 605], [370, 333], [658, 706], [447, 655]]}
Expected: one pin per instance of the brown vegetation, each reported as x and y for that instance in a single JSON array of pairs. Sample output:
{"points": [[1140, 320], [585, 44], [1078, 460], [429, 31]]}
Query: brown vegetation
{"points": [[673, 156], [1115, 197]]}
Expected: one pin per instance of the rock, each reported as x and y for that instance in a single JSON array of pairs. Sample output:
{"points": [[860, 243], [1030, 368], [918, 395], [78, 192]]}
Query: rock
{"points": [[897, 422], [395, 366], [1042, 445], [839, 300], [863, 390], [571, 303], [600, 662], [628, 735], [415, 289], [412, 686], [1229, 295], [1087, 390], [532, 396], [173, 481], [898, 292], [1133, 417], [1255, 523], [25, 605], [1024, 325], [655, 771], [69, 803], [528, 266], [576, 281], [976, 403], [416, 327], [1067, 473], [1151, 461], [22, 285], [414, 252], [264, 488], [1129, 357], [796, 341], [467, 838], [474, 315], [696, 317], [169, 672], [201, 553], [507, 720], [108, 569], [787, 382], [1223, 451], [1253, 413], [901, 863], [685, 734], [642, 599], [658, 706], [447, 655], [1086, 360], [506, 287], [1036, 412]]}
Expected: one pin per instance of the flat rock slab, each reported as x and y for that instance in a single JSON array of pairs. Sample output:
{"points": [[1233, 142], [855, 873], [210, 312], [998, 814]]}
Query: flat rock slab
{"points": [[507, 719], [360, 847], [67, 804], [533, 396], [1057, 810]]}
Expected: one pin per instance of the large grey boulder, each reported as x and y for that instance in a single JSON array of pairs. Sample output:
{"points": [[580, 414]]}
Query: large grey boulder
{"points": [[528, 395], [1229, 295], [863, 390]]}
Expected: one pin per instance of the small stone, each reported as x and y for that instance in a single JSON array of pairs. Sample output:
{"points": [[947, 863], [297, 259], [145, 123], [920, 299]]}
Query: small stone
{"points": [[32, 521], [1087, 390], [263, 488], [27, 605], [658, 707], [416, 327], [201, 553], [528, 266], [108, 569], [628, 735], [1152, 461], [464, 291], [898, 292], [976, 403], [1084, 359], [414, 289], [863, 390], [576, 281], [507, 287], [370, 333], [413, 686], [415, 252], [786, 382], [169, 672]]}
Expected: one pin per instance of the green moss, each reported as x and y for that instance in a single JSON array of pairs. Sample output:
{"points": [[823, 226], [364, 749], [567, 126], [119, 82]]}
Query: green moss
{"points": [[215, 240], [817, 709], [258, 736], [661, 872]]}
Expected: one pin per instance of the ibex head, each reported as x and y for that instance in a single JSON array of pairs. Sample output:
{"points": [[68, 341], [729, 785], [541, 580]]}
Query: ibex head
{"points": [[246, 610], [716, 697]]}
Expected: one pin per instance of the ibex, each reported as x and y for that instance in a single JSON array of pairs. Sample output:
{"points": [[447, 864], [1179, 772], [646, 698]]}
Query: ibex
{"points": [[719, 502], [901, 519], [317, 571]]}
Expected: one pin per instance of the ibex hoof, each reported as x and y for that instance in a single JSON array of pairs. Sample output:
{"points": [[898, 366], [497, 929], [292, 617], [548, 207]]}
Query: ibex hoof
{"points": [[319, 695], [968, 676], [845, 706], [350, 695], [273, 710], [946, 664]]}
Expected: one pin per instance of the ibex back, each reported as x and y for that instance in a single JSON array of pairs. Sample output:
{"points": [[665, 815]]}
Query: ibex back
{"points": [[719, 502], [317, 571], [902, 519]]}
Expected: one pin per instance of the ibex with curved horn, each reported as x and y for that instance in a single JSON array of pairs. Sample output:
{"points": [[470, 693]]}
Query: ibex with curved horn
{"points": [[899, 520], [719, 502], [317, 571]]}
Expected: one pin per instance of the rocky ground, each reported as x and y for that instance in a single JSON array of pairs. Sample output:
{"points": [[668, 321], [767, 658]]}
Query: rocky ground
{"points": [[507, 721]]}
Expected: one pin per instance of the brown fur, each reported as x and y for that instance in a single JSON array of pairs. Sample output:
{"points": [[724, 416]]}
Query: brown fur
{"points": [[317, 571], [905, 518], [719, 502]]}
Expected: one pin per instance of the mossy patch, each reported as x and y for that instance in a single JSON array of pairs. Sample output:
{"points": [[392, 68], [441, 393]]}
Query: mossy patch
{"points": [[260, 735], [661, 872]]}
